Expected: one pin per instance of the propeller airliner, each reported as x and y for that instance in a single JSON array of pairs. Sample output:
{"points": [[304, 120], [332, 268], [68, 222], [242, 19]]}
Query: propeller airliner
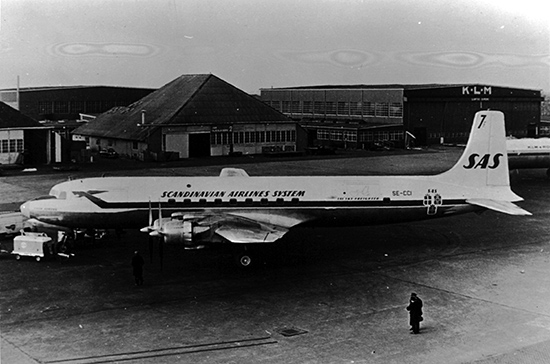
{"points": [[240, 209]]}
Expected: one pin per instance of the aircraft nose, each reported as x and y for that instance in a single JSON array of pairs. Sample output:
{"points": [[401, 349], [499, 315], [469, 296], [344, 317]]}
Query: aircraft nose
{"points": [[25, 209]]}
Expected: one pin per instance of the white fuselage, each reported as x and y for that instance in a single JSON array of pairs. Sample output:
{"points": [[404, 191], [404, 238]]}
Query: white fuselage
{"points": [[285, 201], [528, 153]]}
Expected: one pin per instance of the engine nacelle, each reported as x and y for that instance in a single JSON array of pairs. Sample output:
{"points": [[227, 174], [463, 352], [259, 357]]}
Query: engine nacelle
{"points": [[182, 232]]}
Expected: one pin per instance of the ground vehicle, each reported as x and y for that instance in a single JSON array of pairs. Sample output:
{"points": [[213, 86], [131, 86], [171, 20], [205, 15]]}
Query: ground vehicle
{"points": [[31, 244], [108, 153]]}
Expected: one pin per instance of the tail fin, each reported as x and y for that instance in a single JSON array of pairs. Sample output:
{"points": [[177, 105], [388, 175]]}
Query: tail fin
{"points": [[484, 162], [482, 170]]}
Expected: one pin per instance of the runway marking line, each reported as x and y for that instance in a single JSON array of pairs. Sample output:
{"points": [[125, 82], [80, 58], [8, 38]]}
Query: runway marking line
{"points": [[177, 350]]}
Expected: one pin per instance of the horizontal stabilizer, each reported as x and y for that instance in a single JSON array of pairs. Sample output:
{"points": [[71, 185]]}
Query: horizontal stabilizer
{"points": [[505, 207]]}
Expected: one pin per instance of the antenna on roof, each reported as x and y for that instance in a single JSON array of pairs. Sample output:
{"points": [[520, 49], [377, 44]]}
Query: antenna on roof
{"points": [[142, 117]]}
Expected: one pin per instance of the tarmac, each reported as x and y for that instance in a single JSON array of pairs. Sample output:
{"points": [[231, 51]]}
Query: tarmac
{"points": [[322, 295]]}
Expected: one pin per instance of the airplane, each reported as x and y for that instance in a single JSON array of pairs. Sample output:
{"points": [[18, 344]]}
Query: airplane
{"points": [[529, 153], [237, 208], [11, 223]]}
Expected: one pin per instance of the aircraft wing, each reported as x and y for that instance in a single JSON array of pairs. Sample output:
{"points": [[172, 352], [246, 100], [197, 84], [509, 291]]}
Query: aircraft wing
{"points": [[505, 207], [234, 228], [239, 230]]}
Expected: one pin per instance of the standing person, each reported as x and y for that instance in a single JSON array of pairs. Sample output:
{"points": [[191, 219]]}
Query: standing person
{"points": [[137, 264], [415, 312]]}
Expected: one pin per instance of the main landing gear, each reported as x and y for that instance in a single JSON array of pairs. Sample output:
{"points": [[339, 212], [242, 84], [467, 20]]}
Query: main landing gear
{"points": [[244, 258]]}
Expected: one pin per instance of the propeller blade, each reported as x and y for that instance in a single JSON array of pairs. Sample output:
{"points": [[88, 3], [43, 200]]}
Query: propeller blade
{"points": [[149, 227], [160, 218], [150, 213]]}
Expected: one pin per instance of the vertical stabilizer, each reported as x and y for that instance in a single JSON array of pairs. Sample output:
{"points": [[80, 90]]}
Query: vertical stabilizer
{"points": [[484, 162]]}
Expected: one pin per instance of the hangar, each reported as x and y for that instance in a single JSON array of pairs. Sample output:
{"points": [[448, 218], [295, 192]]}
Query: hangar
{"points": [[69, 102], [360, 116], [193, 116], [59, 110]]}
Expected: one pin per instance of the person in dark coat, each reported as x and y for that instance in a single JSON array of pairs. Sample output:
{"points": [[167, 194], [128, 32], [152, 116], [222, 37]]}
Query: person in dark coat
{"points": [[137, 264], [415, 312]]}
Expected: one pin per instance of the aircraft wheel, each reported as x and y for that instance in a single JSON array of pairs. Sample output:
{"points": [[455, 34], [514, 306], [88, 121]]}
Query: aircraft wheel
{"points": [[18, 257], [245, 260], [37, 259]]}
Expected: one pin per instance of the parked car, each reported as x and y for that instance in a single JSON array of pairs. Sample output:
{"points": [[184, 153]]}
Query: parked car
{"points": [[108, 153]]}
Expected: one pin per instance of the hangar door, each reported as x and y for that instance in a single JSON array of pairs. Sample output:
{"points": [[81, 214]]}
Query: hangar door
{"points": [[188, 145], [177, 143], [199, 145]]}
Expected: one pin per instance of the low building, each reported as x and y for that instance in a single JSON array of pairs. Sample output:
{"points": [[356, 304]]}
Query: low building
{"points": [[193, 116], [22, 139]]}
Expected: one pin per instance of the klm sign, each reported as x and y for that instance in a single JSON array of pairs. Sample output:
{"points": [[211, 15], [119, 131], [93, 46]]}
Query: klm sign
{"points": [[477, 90]]}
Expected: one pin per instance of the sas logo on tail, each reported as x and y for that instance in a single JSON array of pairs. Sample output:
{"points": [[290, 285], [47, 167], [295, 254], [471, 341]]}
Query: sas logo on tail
{"points": [[483, 162]]}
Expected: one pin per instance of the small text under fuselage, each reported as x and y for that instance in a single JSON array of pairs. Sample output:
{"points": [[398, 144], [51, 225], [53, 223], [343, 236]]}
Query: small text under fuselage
{"points": [[233, 194]]}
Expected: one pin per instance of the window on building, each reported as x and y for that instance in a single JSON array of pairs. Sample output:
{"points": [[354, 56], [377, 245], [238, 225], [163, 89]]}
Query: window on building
{"points": [[323, 134], [135, 145], [355, 108], [238, 137], [295, 107], [381, 135], [276, 105], [77, 106], [330, 108], [382, 109], [319, 107], [93, 107], [396, 110], [61, 107], [286, 106], [336, 135], [45, 107], [368, 109], [396, 135], [343, 108], [307, 107], [247, 137], [350, 136]]}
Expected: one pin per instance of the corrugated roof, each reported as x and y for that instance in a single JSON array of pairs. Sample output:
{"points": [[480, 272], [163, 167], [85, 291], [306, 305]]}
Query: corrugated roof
{"points": [[187, 100], [11, 118]]}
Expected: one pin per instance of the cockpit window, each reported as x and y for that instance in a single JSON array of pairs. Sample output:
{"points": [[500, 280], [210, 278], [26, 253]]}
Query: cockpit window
{"points": [[61, 195], [49, 197]]}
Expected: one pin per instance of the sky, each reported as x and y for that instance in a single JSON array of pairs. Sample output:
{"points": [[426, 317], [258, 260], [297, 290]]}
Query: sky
{"points": [[256, 44]]}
